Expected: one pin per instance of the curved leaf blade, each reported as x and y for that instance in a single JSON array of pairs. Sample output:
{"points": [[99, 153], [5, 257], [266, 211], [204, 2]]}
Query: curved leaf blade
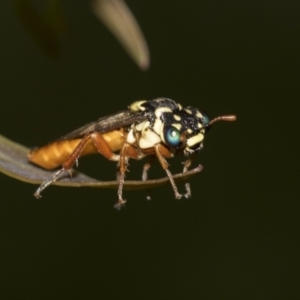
{"points": [[14, 163], [120, 21]]}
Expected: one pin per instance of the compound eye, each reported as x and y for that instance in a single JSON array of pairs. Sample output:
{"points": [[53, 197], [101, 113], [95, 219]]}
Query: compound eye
{"points": [[205, 119], [172, 136]]}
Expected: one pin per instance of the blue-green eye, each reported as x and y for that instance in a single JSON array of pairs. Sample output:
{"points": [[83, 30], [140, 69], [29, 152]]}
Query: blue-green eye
{"points": [[205, 119], [172, 136]]}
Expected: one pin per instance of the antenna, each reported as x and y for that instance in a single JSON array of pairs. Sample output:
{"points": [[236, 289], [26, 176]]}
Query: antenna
{"points": [[229, 118]]}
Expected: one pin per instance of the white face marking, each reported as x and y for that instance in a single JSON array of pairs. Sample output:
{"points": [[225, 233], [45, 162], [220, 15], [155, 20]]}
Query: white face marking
{"points": [[130, 137], [188, 111], [136, 106], [177, 118], [149, 139], [196, 139], [198, 115], [199, 125], [146, 126], [187, 151], [189, 130], [161, 110], [179, 106], [157, 127], [140, 126], [177, 125]]}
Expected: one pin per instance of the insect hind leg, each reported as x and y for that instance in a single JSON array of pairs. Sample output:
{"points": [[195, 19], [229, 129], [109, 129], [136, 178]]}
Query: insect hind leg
{"points": [[47, 182], [67, 166]]}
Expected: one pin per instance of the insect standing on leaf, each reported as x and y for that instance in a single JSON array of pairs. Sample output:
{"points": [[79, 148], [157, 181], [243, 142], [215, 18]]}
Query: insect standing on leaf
{"points": [[158, 128]]}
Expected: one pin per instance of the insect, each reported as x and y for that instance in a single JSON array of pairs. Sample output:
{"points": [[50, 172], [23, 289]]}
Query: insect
{"points": [[159, 128]]}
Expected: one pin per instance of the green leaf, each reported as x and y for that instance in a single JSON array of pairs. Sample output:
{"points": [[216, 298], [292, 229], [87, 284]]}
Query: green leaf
{"points": [[14, 163]]}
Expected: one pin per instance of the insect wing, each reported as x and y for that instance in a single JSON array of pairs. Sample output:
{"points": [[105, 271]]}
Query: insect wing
{"points": [[119, 120]]}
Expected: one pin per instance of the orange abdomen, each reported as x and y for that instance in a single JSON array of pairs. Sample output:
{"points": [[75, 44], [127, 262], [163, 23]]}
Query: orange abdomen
{"points": [[55, 154]]}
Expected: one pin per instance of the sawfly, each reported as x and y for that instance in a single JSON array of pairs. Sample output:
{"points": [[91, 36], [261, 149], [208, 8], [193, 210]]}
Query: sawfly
{"points": [[159, 128]]}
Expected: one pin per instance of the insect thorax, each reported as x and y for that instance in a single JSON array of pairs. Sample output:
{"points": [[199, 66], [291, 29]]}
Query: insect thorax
{"points": [[180, 129]]}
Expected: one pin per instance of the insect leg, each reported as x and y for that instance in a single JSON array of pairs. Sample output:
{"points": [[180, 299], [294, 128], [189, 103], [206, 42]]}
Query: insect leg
{"points": [[161, 153], [187, 185], [121, 177], [126, 152], [186, 166], [146, 168], [103, 147], [67, 166], [105, 150]]}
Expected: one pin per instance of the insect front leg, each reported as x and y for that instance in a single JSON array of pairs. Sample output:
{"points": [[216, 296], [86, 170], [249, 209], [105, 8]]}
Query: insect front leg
{"points": [[162, 153], [67, 166]]}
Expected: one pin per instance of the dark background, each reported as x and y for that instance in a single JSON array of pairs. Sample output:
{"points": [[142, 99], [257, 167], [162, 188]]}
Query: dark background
{"points": [[238, 236]]}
